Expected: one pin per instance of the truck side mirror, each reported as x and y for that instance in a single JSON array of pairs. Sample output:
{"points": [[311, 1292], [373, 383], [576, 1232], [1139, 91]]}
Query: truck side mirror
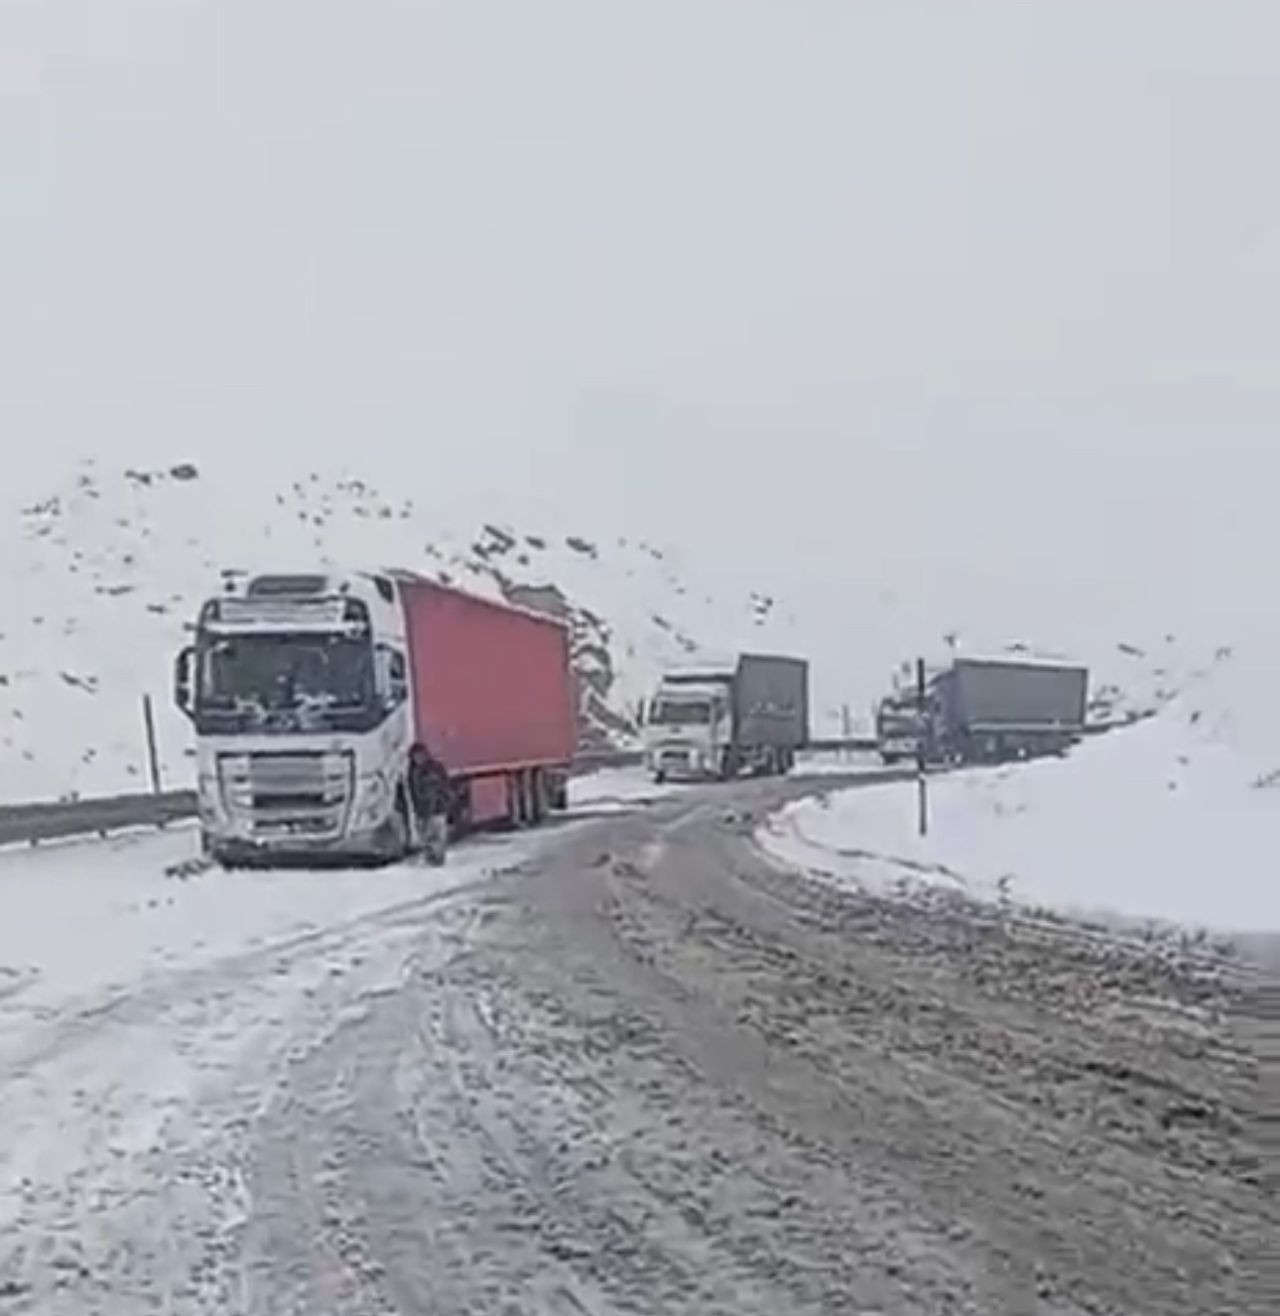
{"points": [[395, 681], [182, 686]]}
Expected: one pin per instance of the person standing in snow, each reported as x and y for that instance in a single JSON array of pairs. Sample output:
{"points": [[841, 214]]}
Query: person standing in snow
{"points": [[430, 793]]}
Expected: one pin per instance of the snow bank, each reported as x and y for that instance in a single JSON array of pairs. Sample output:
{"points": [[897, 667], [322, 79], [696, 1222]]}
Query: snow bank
{"points": [[1174, 820]]}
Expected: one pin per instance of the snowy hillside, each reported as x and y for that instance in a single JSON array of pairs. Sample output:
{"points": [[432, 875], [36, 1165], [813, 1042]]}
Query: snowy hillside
{"points": [[104, 574], [1173, 820]]}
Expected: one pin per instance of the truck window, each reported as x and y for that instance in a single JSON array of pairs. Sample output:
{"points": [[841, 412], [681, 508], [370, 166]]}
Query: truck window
{"points": [[680, 713]]}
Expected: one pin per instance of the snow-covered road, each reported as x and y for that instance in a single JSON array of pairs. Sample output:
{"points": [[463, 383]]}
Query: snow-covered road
{"points": [[147, 1012], [151, 1008], [623, 1065]]}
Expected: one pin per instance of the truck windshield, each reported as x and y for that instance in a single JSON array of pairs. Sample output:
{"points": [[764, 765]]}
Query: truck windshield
{"points": [[286, 677], [678, 713]]}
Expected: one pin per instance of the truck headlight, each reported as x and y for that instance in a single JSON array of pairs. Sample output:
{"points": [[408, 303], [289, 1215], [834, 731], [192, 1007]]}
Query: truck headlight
{"points": [[233, 779], [373, 797]]}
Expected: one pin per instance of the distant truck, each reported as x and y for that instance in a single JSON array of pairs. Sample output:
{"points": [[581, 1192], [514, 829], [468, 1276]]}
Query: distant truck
{"points": [[748, 716], [898, 726], [993, 711], [308, 692]]}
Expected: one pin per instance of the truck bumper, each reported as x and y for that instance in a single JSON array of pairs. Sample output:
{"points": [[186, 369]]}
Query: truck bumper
{"points": [[679, 765], [349, 831], [300, 851]]}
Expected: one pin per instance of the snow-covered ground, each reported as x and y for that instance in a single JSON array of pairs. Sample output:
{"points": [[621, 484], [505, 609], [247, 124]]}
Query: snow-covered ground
{"points": [[616, 789], [82, 919], [135, 986], [1175, 820]]}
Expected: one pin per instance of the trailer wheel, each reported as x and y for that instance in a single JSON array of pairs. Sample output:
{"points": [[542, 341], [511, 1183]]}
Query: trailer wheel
{"points": [[539, 797], [520, 800]]}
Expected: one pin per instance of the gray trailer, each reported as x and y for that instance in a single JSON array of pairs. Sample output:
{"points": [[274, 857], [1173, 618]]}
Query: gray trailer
{"points": [[993, 711], [770, 706], [749, 716]]}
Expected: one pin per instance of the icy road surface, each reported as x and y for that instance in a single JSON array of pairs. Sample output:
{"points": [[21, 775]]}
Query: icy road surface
{"points": [[625, 1066]]}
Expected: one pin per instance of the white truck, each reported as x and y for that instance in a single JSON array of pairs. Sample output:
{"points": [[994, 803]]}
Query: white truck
{"points": [[308, 691], [747, 715]]}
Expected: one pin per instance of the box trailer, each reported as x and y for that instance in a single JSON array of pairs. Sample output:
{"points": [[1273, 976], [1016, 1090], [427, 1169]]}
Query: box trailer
{"points": [[308, 693], [719, 720], [993, 711]]}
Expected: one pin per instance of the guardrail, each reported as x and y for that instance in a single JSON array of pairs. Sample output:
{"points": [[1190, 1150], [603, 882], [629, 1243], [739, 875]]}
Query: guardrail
{"points": [[54, 820]]}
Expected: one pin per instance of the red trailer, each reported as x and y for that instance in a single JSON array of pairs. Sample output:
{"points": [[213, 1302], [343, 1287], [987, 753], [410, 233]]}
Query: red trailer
{"points": [[492, 696], [309, 691]]}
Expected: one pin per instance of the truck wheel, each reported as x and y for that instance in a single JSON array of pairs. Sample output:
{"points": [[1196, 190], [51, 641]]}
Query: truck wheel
{"points": [[392, 844], [558, 791], [519, 806], [539, 796], [659, 776], [728, 767]]}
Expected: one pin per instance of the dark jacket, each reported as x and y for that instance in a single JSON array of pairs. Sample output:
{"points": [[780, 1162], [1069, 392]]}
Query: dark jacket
{"points": [[428, 786]]}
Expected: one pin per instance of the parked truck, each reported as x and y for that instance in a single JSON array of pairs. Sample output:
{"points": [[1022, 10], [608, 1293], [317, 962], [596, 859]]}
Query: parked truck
{"points": [[308, 692], [992, 711], [749, 715]]}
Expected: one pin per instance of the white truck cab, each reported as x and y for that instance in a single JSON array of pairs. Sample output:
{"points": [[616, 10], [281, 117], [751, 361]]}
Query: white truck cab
{"points": [[689, 729], [298, 689]]}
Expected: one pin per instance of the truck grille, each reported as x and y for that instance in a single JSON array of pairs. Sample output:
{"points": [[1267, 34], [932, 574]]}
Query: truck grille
{"points": [[281, 795], [676, 757]]}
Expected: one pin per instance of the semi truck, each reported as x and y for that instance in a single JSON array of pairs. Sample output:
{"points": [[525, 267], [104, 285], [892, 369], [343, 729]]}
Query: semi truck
{"points": [[898, 726], [993, 711], [746, 715], [308, 692]]}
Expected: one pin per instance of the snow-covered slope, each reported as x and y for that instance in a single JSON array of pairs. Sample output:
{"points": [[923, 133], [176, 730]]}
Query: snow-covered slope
{"points": [[103, 575], [1176, 819]]}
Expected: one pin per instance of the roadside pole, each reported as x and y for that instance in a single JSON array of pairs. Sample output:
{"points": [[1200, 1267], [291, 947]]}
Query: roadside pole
{"points": [[922, 781], [153, 759]]}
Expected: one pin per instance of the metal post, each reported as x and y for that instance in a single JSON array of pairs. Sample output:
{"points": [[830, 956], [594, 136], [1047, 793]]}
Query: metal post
{"points": [[922, 781], [153, 759]]}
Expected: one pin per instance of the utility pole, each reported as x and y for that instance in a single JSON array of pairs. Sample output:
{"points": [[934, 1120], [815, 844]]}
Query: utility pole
{"points": [[922, 781], [153, 758]]}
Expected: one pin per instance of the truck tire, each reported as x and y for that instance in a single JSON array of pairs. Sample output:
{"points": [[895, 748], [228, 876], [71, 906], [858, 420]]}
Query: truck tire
{"points": [[393, 841], [520, 800], [539, 797], [558, 791], [728, 765]]}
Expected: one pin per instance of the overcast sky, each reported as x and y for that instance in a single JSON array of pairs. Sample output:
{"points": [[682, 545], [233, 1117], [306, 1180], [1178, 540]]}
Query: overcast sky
{"points": [[913, 297]]}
